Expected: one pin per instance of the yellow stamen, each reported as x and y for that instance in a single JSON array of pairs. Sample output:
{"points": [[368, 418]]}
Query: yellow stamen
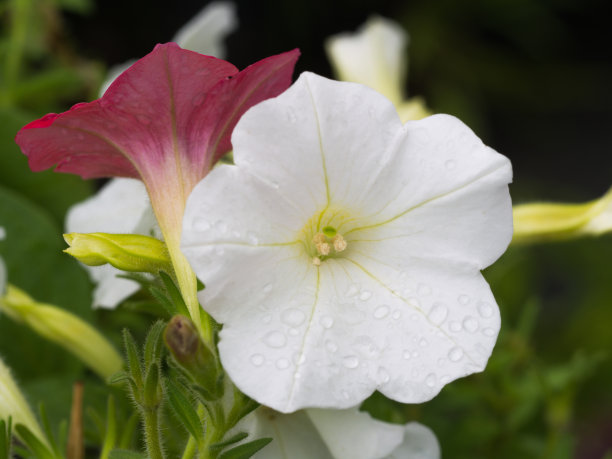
{"points": [[316, 261], [339, 243]]}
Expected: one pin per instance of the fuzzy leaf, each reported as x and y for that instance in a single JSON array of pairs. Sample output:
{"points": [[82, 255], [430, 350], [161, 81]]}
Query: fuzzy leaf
{"points": [[246, 450], [184, 410]]}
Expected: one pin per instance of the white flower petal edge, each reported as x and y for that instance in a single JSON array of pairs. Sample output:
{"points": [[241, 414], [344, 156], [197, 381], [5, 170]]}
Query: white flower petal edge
{"points": [[374, 56], [338, 434], [121, 206], [403, 309]]}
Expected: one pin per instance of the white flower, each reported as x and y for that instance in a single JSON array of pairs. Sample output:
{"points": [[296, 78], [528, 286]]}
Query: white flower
{"points": [[123, 205], [338, 434], [395, 300], [376, 56], [204, 33]]}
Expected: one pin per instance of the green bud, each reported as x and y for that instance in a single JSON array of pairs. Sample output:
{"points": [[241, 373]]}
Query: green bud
{"points": [[13, 404], [63, 328], [128, 252], [183, 341], [536, 222]]}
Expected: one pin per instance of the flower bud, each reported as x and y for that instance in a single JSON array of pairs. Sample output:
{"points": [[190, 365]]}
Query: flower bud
{"points": [[128, 252], [63, 328], [553, 221], [14, 405], [183, 341]]}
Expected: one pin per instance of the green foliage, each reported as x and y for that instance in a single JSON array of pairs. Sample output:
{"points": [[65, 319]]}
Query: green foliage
{"points": [[6, 433], [246, 450]]}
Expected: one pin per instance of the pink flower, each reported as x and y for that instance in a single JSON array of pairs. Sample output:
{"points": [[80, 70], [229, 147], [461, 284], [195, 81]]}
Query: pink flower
{"points": [[166, 120]]}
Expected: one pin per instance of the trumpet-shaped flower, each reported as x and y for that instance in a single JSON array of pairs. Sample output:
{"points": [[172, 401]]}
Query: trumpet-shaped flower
{"points": [[166, 120], [342, 253], [376, 56], [338, 434]]}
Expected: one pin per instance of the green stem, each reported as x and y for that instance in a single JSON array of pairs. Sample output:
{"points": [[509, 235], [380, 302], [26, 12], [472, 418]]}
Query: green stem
{"points": [[152, 438], [190, 449]]}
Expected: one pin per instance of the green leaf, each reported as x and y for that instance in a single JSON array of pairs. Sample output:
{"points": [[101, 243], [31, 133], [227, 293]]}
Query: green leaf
{"points": [[175, 294], [110, 435], [128, 431], [5, 438], [125, 454], [160, 296], [53, 192], [154, 344], [133, 358], [33, 443], [246, 450], [184, 410], [151, 392], [230, 441], [47, 428]]}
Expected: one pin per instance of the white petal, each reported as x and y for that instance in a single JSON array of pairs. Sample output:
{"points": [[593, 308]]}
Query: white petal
{"points": [[206, 31], [293, 435], [374, 56], [419, 443], [355, 434], [443, 194], [318, 140], [122, 206]]}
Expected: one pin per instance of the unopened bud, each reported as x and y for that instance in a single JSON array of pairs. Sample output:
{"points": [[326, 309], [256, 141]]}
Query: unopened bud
{"points": [[128, 252]]}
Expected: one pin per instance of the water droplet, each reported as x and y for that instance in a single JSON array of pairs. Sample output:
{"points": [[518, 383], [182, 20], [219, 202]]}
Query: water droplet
{"points": [[382, 376], [282, 364], [396, 314], [345, 394], [274, 185], [470, 324], [450, 164], [438, 313], [431, 380], [200, 224], [454, 326], [441, 362], [257, 360], [291, 116], [365, 295], [488, 332], [267, 288], [299, 359], [415, 354], [485, 310], [267, 318], [463, 299], [381, 312], [331, 346], [350, 361], [414, 302], [455, 354], [415, 317], [221, 226], [236, 234], [444, 379], [423, 290], [352, 290], [275, 339], [327, 322], [423, 342], [294, 331], [406, 355], [252, 238], [293, 317]]}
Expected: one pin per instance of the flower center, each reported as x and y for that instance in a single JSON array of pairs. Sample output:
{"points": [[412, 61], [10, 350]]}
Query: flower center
{"points": [[321, 235]]}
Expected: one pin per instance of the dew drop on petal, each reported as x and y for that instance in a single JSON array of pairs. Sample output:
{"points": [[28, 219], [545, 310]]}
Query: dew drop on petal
{"points": [[415, 354], [470, 324], [488, 332], [450, 164], [352, 290], [257, 360], [345, 394], [252, 238], [200, 224], [463, 299], [282, 364], [291, 116], [438, 313], [266, 319], [381, 312], [267, 288], [406, 355], [331, 346], [275, 339], [382, 376], [327, 322], [294, 331], [423, 290], [293, 317], [455, 326], [396, 314], [350, 361], [299, 358], [485, 310], [423, 342], [455, 354], [365, 295], [431, 380]]}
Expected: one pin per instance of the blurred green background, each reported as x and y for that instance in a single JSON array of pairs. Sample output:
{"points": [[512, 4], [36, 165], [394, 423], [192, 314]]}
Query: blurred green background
{"points": [[532, 78]]}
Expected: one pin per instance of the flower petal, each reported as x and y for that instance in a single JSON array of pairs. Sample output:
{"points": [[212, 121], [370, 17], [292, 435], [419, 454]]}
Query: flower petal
{"points": [[374, 56], [419, 443], [355, 434], [310, 147]]}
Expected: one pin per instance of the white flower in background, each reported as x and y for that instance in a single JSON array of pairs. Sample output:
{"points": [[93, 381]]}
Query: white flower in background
{"points": [[342, 253], [376, 56], [338, 434], [123, 206], [204, 33]]}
